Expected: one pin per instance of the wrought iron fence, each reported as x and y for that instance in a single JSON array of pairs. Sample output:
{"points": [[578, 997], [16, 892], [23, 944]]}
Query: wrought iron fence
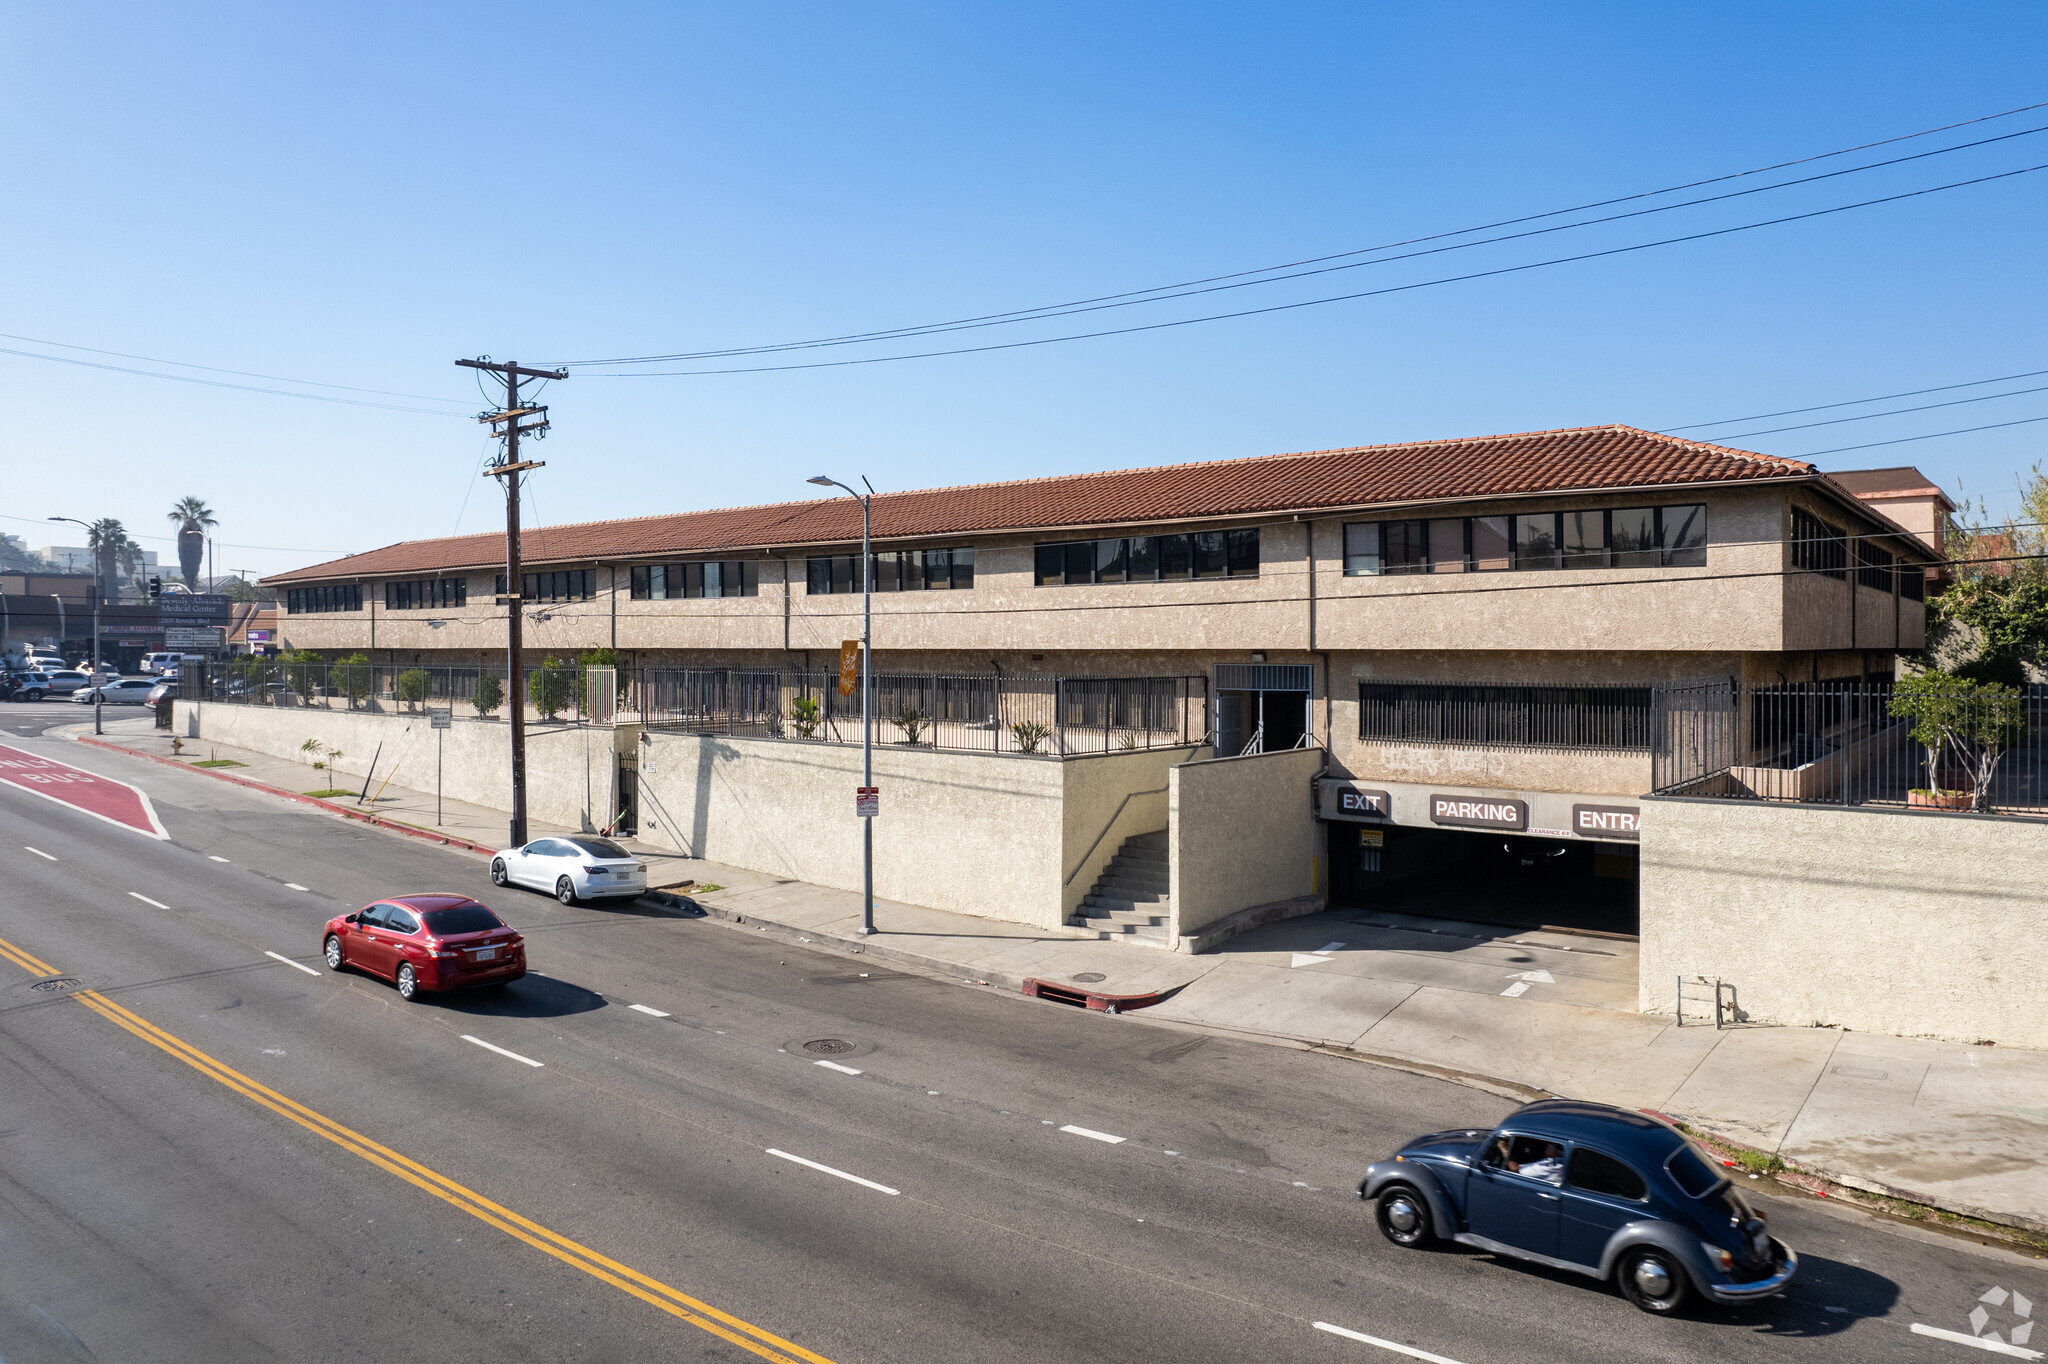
{"points": [[986, 712], [1505, 716], [1911, 744]]}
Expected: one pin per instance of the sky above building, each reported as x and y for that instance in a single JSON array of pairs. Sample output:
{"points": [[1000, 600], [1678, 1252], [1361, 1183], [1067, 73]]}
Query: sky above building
{"points": [[356, 196]]}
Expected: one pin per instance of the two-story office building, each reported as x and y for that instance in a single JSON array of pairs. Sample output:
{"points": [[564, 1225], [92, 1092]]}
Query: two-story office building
{"points": [[1470, 628]]}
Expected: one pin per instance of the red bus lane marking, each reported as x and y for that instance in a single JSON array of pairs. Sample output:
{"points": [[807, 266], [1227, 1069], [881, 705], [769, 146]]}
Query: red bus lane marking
{"points": [[116, 802]]}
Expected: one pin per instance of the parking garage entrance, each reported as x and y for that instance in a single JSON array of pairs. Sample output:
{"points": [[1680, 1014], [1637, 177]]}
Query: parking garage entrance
{"points": [[1512, 879]]}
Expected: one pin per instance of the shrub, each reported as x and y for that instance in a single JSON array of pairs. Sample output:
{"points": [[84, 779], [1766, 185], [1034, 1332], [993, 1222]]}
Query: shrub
{"points": [[355, 676], [912, 720], [411, 687], [554, 686], [1029, 734], [489, 694], [805, 716]]}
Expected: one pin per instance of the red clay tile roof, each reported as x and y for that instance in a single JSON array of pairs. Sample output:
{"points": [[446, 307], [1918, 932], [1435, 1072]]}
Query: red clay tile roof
{"points": [[1904, 481], [1588, 459]]}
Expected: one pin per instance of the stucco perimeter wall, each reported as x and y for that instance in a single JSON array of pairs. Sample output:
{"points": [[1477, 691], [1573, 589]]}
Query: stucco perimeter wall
{"points": [[974, 833], [1108, 798], [570, 773], [1915, 925], [1241, 832]]}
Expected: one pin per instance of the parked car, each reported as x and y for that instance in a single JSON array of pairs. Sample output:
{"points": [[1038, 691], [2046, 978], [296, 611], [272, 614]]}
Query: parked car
{"points": [[129, 691], [152, 663], [36, 685], [574, 867], [1587, 1187], [442, 941]]}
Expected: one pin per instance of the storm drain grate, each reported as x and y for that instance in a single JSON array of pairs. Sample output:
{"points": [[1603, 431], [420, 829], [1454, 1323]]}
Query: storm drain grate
{"points": [[56, 983], [829, 1046]]}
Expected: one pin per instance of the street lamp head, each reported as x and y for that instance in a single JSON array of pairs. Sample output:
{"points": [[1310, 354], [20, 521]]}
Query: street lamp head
{"points": [[820, 480]]}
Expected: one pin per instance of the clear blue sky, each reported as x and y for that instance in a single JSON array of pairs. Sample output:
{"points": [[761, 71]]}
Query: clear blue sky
{"points": [[359, 194]]}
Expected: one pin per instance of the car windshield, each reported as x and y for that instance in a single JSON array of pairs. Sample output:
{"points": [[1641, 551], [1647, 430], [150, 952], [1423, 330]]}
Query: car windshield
{"points": [[1693, 1174], [447, 923], [599, 847]]}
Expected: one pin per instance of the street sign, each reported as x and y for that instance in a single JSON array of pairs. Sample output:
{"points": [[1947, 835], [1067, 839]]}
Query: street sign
{"points": [[849, 663], [867, 801], [185, 608], [441, 717]]}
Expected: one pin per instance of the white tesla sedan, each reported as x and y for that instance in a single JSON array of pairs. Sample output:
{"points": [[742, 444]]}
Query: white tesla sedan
{"points": [[572, 866]]}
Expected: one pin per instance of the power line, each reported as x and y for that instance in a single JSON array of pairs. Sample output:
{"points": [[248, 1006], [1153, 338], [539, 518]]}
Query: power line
{"points": [[217, 383], [215, 369], [1336, 298], [1080, 304], [1932, 435], [1853, 402], [1894, 412]]}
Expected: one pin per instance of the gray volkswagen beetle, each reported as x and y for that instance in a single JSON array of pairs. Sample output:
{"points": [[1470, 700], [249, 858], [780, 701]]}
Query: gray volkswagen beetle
{"points": [[1598, 1190]]}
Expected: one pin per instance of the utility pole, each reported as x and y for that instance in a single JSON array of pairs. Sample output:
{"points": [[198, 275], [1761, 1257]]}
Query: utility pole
{"points": [[509, 424]]}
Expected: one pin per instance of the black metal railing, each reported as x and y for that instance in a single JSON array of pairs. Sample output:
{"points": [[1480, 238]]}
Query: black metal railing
{"points": [[1922, 744], [1505, 716], [561, 692]]}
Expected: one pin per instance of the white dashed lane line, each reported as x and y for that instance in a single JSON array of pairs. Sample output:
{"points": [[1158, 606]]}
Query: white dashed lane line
{"points": [[834, 1065], [296, 966], [651, 1013], [212, 858], [293, 885], [147, 901], [39, 853], [837, 1174], [1092, 1134], [523, 1060], [1398, 1349]]}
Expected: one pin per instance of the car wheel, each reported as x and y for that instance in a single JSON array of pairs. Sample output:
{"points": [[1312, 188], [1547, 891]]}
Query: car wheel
{"points": [[1403, 1215], [408, 982], [565, 891], [1653, 1280], [335, 961], [498, 874]]}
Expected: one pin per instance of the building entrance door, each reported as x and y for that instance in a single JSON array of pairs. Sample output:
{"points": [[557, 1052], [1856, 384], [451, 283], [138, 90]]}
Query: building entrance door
{"points": [[1262, 707]]}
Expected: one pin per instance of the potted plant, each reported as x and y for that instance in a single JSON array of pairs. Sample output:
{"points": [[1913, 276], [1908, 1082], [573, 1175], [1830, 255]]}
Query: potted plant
{"points": [[1965, 726]]}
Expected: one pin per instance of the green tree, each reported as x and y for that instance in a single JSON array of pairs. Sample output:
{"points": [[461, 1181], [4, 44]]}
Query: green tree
{"points": [[355, 674], [1968, 722], [410, 687], [554, 687], [300, 670], [585, 661], [488, 695], [114, 555], [193, 518], [1991, 624]]}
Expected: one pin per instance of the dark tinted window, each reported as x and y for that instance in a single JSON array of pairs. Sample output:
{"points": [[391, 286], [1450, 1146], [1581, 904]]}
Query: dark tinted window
{"points": [[1112, 560], [1144, 561], [1361, 549], [1536, 541], [1049, 563], [1692, 1173], [1599, 1173], [1684, 533], [373, 917], [963, 568], [446, 923], [1174, 552], [1405, 546], [1080, 562], [600, 847], [1244, 554], [400, 920], [1209, 555]]}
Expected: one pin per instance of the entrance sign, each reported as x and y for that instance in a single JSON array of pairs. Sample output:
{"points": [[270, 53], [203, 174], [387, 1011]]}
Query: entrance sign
{"points": [[849, 664], [1343, 800], [1608, 821], [1468, 812], [867, 802]]}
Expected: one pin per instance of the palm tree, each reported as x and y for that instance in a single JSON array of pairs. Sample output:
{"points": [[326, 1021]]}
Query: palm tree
{"points": [[113, 553], [193, 519]]}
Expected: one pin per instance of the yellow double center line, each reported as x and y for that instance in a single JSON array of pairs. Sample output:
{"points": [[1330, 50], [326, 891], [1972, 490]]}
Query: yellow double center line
{"points": [[678, 1304]]}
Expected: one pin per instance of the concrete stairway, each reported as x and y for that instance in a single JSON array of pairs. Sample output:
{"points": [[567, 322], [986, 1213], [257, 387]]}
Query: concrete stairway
{"points": [[1132, 901]]}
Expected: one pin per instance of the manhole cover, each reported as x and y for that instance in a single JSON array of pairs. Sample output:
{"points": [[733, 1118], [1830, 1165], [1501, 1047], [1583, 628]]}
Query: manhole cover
{"points": [[55, 983], [829, 1046], [1089, 977]]}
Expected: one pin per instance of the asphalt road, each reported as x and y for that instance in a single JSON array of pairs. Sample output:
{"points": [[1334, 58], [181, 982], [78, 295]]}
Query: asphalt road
{"points": [[368, 1181]]}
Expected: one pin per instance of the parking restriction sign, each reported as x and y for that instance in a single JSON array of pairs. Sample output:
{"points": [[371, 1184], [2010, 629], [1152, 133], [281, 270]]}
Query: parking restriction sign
{"points": [[867, 801]]}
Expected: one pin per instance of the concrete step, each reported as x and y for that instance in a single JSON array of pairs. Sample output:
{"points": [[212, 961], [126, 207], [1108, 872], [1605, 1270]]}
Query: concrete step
{"points": [[1124, 904], [1121, 884], [1127, 858], [1095, 918]]}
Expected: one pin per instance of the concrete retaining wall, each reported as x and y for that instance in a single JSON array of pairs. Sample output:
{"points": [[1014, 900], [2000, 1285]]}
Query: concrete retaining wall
{"points": [[1106, 800], [1242, 833], [1917, 925], [570, 775]]}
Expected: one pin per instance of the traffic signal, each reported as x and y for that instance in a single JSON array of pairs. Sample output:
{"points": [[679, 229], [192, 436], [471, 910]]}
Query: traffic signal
{"points": [[156, 588]]}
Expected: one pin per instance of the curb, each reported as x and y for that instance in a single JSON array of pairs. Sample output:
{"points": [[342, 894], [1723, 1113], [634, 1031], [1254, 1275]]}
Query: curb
{"points": [[869, 947], [1053, 992], [360, 817]]}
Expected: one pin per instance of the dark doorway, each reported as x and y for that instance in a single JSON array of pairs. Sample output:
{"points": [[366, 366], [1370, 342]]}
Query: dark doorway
{"points": [[1508, 879], [1260, 721]]}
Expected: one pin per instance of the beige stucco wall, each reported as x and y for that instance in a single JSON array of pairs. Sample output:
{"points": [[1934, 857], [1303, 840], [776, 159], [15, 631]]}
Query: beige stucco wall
{"points": [[571, 778], [1915, 925], [1107, 799], [975, 833], [1241, 832]]}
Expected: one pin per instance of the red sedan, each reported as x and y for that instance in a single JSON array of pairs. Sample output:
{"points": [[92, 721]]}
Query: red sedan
{"points": [[427, 942]]}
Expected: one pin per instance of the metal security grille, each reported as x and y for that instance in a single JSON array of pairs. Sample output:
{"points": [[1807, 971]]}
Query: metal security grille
{"points": [[1514, 717], [1263, 677]]}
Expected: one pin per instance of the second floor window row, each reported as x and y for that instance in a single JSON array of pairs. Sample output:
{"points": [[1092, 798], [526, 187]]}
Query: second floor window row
{"points": [[724, 578], [421, 593], [300, 601], [1624, 537], [575, 584], [1148, 558], [907, 570]]}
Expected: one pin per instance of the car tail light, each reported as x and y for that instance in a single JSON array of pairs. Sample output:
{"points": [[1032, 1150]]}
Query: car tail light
{"points": [[440, 950]]}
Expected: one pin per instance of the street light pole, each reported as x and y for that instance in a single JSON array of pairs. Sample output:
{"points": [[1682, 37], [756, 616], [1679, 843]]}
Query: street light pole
{"points": [[98, 696], [867, 698]]}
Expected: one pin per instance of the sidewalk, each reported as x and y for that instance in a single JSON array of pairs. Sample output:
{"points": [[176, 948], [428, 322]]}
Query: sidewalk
{"points": [[1519, 1012]]}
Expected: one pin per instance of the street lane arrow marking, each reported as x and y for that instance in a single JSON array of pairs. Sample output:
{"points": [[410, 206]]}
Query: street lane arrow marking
{"points": [[1321, 954]]}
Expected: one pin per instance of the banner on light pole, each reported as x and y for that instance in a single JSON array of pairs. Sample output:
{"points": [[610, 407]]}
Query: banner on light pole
{"points": [[849, 665]]}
